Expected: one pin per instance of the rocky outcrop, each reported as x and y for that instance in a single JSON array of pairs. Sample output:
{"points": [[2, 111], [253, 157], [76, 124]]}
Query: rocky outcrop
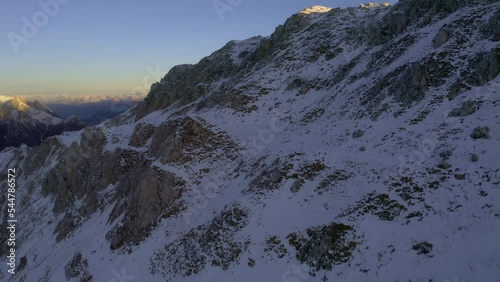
{"points": [[79, 171], [480, 132], [30, 123], [272, 177], [467, 108], [487, 67], [143, 193], [186, 83]]}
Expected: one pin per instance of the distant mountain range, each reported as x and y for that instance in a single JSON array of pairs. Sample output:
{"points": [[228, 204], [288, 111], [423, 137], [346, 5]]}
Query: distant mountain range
{"points": [[31, 122], [357, 144]]}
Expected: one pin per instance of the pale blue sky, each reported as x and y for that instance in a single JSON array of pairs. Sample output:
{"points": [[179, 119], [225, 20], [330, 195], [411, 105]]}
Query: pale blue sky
{"points": [[104, 47]]}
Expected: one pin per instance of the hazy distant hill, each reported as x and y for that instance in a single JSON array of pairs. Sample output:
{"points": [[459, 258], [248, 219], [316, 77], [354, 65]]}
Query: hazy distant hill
{"points": [[92, 112]]}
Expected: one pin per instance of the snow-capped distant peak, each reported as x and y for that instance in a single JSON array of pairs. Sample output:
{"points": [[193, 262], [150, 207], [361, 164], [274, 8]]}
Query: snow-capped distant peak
{"points": [[4, 99], [315, 10]]}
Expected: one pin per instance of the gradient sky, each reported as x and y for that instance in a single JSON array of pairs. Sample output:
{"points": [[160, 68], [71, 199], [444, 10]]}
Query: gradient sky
{"points": [[92, 47]]}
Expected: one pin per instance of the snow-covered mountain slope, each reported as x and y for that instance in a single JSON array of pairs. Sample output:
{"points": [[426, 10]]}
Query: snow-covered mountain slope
{"points": [[29, 122], [354, 144], [74, 99]]}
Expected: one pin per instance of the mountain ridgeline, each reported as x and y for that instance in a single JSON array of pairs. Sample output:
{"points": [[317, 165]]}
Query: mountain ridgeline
{"points": [[356, 144]]}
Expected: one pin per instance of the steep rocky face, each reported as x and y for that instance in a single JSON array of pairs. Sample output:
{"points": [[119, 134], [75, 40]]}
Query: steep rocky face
{"points": [[30, 123], [353, 144]]}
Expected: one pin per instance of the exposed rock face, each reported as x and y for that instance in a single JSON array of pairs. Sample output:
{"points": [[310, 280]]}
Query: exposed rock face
{"points": [[65, 227], [78, 267], [214, 244], [300, 85], [480, 133], [155, 192], [467, 108], [186, 83], [413, 85], [412, 13], [492, 30]]}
